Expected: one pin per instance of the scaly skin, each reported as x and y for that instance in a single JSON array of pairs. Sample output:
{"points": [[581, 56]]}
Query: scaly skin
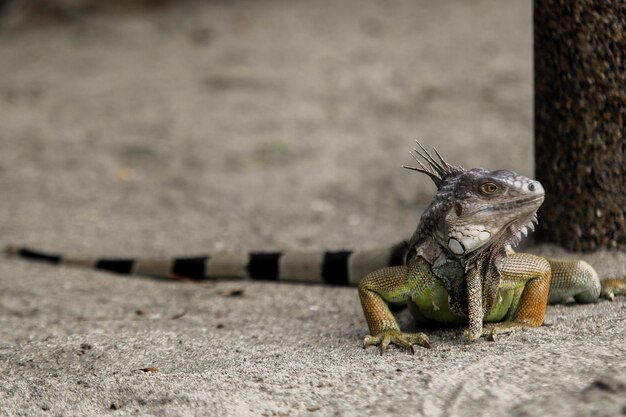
{"points": [[470, 227]]}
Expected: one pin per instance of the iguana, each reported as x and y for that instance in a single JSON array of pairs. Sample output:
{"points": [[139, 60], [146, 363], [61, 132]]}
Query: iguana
{"points": [[459, 267]]}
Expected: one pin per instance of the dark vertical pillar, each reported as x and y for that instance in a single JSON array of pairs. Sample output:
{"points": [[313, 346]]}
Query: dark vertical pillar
{"points": [[580, 121]]}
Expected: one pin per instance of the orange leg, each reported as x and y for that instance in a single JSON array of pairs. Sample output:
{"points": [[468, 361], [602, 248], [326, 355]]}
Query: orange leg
{"points": [[529, 308], [380, 287]]}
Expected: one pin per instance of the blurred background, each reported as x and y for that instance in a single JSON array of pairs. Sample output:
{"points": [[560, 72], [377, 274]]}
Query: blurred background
{"points": [[167, 127]]}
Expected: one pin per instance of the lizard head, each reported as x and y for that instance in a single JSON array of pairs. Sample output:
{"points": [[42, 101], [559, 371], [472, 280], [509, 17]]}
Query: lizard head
{"points": [[476, 208], [489, 207]]}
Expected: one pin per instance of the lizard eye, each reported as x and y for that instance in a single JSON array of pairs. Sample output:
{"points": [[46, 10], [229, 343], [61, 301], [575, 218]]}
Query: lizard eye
{"points": [[489, 188]]}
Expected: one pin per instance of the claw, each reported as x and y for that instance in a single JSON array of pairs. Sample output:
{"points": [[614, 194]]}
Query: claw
{"points": [[384, 344], [493, 330], [403, 340]]}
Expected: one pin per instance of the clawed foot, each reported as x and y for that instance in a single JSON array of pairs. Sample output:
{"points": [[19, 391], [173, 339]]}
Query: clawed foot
{"points": [[612, 287], [398, 338], [491, 331]]}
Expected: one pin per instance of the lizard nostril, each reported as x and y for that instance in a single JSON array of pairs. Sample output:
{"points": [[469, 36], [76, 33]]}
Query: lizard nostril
{"points": [[531, 186]]}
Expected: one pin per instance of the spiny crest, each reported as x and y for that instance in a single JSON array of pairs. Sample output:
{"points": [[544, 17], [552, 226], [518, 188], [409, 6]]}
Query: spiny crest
{"points": [[436, 170]]}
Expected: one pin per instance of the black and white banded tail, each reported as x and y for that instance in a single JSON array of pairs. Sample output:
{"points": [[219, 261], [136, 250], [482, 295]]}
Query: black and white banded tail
{"points": [[344, 267]]}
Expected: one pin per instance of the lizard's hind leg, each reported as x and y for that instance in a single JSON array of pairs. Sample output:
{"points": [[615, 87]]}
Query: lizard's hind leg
{"points": [[575, 279], [578, 279], [612, 287]]}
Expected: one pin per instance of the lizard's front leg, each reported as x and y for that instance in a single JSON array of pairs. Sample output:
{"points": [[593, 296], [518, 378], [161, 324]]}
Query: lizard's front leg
{"points": [[395, 284], [530, 276]]}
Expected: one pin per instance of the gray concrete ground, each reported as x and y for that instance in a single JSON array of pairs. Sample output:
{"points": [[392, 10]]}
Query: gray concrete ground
{"points": [[264, 125]]}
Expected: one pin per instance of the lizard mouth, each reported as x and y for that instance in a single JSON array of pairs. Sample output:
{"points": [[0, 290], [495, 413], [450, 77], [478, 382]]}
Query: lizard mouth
{"points": [[534, 202], [521, 202]]}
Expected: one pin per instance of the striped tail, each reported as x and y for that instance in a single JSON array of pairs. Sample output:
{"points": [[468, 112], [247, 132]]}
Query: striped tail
{"points": [[323, 267]]}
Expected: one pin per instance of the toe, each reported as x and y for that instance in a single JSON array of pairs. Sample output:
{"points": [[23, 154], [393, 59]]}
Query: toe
{"points": [[420, 339], [370, 340], [384, 343], [404, 343]]}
